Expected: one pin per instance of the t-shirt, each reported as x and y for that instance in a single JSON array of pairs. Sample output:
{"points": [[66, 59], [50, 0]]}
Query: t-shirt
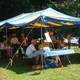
{"points": [[30, 49], [14, 41], [45, 44], [2, 45]]}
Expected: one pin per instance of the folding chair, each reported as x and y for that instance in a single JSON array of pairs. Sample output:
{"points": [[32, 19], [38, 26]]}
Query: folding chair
{"points": [[23, 55]]}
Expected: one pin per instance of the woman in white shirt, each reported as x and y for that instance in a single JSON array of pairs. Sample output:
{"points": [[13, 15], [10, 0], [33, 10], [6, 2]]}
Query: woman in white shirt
{"points": [[14, 42]]}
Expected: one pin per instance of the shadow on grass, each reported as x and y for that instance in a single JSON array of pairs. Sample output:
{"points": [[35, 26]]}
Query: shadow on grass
{"points": [[35, 73], [18, 68], [74, 59]]}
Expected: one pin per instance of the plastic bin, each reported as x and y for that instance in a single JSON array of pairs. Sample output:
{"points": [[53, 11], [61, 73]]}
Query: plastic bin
{"points": [[50, 63]]}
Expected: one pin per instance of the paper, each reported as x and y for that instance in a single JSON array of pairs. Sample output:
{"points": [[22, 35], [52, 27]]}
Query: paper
{"points": [[48, 39]]}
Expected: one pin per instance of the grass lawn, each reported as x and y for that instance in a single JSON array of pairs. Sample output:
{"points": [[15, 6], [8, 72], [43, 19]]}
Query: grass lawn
{"points": [[26, 72]]}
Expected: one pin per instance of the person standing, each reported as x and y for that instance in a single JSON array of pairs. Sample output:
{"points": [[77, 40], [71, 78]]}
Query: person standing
{"points": [[69, 40], [14, 43]]}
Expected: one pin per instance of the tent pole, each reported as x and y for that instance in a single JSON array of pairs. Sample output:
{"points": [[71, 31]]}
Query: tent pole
{"points": [[41, 54], [6, 38], [42, 57]]}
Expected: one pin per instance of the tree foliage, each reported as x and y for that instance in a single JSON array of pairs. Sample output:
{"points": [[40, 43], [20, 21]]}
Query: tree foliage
{"points": [[10, 8]]}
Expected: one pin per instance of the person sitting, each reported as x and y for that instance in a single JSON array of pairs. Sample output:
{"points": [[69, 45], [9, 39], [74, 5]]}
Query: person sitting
{"points": [[3, 44], [31, 51], [61, 44], [54, 40], [48, 44], [44, 43]]}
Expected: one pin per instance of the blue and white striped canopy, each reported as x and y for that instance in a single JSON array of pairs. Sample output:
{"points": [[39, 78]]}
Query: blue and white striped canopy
{"points": [[48, 16]]}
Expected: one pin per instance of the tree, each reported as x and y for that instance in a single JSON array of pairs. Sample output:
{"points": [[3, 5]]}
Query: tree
{"points": [[11, 8]]}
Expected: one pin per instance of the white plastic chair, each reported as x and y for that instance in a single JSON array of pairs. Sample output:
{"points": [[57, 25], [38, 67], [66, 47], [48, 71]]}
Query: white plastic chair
{"points": [[23, 55]]}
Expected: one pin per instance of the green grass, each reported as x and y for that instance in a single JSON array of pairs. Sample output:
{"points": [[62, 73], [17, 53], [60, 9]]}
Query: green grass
{"points": [[26, 72]]}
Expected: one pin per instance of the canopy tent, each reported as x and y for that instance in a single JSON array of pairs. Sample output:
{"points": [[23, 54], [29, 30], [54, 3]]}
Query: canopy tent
{"points": [[5, 23], [48, 17]]}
